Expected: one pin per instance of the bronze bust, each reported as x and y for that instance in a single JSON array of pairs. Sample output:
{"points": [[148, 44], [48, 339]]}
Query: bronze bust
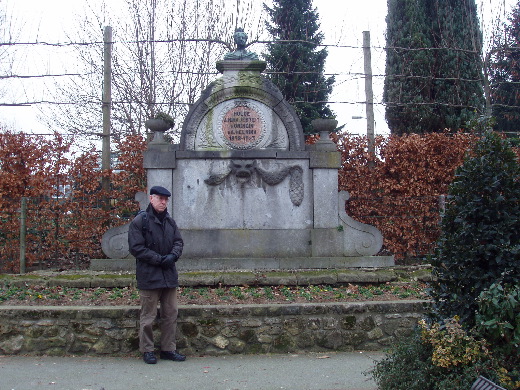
{"points": [[240, 53]]}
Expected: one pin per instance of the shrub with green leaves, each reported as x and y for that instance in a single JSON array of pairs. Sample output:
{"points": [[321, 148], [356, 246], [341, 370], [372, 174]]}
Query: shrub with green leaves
{"points": [[498, 318], [409, 366], [406, 367], [480, 242]]}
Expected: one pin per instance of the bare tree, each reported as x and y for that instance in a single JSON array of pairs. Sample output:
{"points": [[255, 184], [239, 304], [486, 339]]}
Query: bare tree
{"points": [[494, 18], [164, 54], [8, 34]]}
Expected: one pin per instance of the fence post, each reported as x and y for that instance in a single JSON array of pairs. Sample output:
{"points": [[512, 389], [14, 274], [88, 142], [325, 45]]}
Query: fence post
{"points": [[106, 109], [442, 205], [23, 231]]}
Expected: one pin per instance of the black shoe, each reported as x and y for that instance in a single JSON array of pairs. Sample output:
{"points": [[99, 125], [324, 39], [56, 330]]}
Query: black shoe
{"points": [[149, 358], [172, 355]]}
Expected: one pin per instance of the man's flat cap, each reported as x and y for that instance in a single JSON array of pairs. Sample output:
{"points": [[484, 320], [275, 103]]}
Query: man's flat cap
{"points": [[158, 190]]}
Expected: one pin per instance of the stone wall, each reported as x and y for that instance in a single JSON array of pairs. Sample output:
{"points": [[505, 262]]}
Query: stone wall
{"points": [[210, 330]]}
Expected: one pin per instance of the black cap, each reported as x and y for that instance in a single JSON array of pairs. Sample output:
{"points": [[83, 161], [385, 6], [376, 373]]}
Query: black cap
{"points": [[158, 190]]}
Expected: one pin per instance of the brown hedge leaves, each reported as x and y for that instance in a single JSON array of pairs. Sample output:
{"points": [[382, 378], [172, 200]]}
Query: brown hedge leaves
{"points": [[68, 213], [67, 209], [401, 194]]}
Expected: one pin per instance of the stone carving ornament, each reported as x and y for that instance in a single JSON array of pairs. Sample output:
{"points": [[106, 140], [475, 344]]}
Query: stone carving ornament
{"points": [[295, 172], [241, 124], [243, 171], [114, 242]]}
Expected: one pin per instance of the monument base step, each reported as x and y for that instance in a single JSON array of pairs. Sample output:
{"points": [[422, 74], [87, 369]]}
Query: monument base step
{"points": [[215, 264]]}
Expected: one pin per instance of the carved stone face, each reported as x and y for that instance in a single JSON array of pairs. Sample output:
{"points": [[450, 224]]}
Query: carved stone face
{"points": [[243, 169]]}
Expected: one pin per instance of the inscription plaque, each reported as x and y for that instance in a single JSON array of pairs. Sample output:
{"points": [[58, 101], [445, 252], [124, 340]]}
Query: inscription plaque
{"points": [[242, 127]]}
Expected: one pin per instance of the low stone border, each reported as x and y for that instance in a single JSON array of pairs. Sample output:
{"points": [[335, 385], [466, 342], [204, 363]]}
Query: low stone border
{"points": [[211, 330], [89, 279]]}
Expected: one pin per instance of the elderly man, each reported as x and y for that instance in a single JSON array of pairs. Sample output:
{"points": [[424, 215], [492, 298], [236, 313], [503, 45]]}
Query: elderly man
{"points": [[156, 243]]}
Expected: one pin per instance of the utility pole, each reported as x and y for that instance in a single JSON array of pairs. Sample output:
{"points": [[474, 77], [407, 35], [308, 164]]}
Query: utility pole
{"points": [[369, 98], [106, 107]]}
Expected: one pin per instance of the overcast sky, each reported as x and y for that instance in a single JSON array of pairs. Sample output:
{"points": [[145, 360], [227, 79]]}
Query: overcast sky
{"points": [[342, 22]]}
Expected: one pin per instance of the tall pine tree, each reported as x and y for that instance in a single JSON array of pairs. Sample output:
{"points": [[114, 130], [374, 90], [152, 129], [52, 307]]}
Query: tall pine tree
{"points": [[433, 66], [407, 97], [296, 64], [505, 76]]}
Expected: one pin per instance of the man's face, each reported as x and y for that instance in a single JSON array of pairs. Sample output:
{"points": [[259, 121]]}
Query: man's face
{"points": [[159, 202]]}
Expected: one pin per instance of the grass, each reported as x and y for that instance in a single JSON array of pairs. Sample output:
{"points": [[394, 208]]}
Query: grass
{"points": [[42, 295]]}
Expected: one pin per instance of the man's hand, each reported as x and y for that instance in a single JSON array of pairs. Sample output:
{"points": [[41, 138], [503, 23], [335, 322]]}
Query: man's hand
{"points": [[168, 261]]}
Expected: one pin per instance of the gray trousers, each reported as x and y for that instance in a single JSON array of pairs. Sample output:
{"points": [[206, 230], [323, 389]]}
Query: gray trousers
{"points": [[167, 297]]}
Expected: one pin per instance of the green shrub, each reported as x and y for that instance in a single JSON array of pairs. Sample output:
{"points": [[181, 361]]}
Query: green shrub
{"points": [[435, 358], [407, 367], [451, 345], [498, 319], [479, 246], [480, 241]]}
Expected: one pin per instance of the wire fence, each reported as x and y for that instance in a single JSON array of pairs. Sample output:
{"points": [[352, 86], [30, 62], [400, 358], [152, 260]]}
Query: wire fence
{"points": [[348, 100], [49, 234]]}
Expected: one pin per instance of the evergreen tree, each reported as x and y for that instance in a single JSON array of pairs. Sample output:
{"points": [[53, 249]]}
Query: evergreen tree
{"points": [[433, 66], [407, 97], [505, 76], [298, 66], [480, 244]]}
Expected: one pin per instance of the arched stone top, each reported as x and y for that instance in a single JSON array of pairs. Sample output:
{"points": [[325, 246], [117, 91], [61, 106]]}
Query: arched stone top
{"points": [[241, 110]]}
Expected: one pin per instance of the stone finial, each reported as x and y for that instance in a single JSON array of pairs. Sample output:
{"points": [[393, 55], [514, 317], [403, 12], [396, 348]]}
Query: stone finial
{"points": [[158, 125], [241, 54], [325, 127]]}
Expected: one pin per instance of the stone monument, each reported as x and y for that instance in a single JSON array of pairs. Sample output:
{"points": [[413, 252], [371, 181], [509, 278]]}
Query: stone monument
{"points": [[247, 193]]}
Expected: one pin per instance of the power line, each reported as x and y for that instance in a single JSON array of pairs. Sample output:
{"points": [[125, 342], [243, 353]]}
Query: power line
{"points": [[352, 75], [196, 40], [18, 76], [65, 44], [115, 102]]}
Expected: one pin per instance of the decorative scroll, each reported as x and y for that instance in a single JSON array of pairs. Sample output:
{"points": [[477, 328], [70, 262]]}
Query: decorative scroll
{"points": [[114, 242], [360, 239], [243, 171]]}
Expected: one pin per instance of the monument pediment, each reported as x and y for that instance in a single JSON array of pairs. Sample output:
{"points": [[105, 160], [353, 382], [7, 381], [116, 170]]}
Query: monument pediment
{"points": [[242, 110]]}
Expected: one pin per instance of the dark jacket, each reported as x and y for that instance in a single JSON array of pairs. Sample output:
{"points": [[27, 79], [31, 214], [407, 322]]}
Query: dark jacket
{"points": [[149, 244]]}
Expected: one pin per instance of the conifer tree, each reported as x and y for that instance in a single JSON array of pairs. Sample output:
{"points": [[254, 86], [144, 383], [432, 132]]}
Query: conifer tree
{"points": [[433, 66], [296, 63], [407, 97]]}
